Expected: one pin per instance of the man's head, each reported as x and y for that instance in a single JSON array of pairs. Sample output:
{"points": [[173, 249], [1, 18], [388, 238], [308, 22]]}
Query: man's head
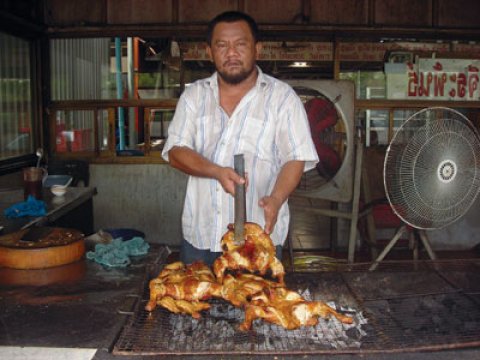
{"points": [[233, 46], [229, 17]]}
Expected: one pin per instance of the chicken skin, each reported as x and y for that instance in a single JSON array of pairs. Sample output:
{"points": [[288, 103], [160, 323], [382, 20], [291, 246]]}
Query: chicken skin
{"points": [[185, 289], [192, 308], [256, 255], [239, 289], [181, 288], [288, 309]]}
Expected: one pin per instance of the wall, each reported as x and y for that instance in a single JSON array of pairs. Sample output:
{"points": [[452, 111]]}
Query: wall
{"points": [[150, 197], [463, 234], [146, 197]]}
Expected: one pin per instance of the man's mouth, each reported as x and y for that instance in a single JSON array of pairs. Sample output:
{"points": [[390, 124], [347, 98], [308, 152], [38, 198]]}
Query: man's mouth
{"points": [[232, 64]]}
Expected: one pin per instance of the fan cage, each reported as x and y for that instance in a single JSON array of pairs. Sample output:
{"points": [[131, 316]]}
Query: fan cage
{"points": [[432, 168], [339, 188]]}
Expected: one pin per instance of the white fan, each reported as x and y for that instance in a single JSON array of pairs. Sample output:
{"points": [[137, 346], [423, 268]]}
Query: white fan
{"points": [[431, 172]]}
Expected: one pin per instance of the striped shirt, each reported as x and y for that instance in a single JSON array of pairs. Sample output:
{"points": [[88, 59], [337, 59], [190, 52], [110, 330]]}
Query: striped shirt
{"points": [[269, 126]]}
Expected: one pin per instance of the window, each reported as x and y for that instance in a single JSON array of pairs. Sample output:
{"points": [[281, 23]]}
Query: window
{"points": [[112, 95], [16, 125], [116, 96]]}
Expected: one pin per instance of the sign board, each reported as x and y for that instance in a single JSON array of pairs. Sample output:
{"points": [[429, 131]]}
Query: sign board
{"points": [[434, 79]]}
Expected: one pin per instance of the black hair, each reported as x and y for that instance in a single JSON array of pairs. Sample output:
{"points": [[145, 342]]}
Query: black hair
{"points": [[229, 17]]}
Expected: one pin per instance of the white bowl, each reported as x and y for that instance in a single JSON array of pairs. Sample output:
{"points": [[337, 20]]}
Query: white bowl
{"points": [[58, 190]]}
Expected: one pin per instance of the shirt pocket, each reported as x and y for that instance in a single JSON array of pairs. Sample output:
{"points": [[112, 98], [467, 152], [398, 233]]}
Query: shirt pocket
{"points": [[258, 139]]}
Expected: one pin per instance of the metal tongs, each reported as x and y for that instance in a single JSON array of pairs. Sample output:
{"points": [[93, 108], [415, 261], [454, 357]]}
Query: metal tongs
{"points": [[240, 203]]}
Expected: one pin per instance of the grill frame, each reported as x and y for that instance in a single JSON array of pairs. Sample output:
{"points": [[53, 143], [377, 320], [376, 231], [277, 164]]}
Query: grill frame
{"points": [[395, 321]]}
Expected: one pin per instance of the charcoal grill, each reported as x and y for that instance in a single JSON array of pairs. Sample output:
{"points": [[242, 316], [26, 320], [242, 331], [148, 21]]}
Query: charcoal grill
{"points": [[430, 305]]}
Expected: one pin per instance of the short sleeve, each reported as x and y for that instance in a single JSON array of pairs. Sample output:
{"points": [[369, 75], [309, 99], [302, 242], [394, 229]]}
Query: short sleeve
{"points": [[294, 140], [181, 131]]}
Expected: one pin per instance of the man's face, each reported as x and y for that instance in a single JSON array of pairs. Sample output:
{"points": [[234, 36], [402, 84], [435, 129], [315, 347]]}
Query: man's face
{"points": [[233, 51]]}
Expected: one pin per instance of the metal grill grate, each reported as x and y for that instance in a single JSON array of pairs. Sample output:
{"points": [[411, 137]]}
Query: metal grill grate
{"points": [[216, 332], [395, 310]]}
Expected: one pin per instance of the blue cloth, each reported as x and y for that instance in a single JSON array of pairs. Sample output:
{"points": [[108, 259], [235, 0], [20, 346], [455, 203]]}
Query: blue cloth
{"points": [[118, 252], [31, 207]]}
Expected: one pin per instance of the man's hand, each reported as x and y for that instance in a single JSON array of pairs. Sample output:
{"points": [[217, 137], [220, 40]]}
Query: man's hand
{"points": [[228, 178], [287, 180], [271, 205], [192, 163]]}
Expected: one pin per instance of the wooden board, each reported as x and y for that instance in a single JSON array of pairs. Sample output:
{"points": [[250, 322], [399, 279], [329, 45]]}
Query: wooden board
{"points": [[51, 247]]}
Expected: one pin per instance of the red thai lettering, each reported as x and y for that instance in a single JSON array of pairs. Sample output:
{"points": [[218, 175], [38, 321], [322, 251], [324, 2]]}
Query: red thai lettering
{"points": [[438, 66], [424, 84], [412, 83], [439, 81], [472, 68], [472, 84], [461, 85]]}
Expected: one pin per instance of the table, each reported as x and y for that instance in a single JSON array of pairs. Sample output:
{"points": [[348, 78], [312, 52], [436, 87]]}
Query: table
{"points": [[73, 210]]}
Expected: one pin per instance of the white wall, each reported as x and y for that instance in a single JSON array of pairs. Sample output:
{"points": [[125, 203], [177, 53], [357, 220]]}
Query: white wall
{"points": [[463, 234], [146, 197], [149, 197]]}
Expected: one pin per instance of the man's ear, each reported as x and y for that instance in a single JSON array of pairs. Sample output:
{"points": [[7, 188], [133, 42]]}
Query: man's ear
{"points": [[258, 49], [209, 52]]}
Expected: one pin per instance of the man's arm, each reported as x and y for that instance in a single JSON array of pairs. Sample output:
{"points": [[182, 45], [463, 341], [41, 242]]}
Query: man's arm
{"points": [[287, 181], [192, 163]]}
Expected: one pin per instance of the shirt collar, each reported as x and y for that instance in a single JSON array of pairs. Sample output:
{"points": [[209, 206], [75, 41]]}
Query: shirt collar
{"points": [[262, 79]]}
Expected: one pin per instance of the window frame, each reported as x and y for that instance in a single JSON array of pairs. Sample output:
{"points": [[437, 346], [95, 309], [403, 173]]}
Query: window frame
{"points": [[33, 36]]}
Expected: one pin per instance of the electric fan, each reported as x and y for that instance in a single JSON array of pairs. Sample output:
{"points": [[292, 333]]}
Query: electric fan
{"points": [[431, 172], [330, 111]]}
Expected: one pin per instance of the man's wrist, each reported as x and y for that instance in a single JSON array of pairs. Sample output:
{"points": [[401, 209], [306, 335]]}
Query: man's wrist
{"points": [[278, 199]]}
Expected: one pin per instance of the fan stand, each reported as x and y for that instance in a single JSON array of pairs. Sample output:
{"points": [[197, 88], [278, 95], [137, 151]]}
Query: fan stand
{"points": [[398, 234]]}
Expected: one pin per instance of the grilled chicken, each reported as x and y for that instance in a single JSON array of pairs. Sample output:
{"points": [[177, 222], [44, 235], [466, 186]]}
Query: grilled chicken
{"points": [[288, 309], [238, 290], [183, 307], [184, 288], [274, 303], [181, 288], [256, 255]]}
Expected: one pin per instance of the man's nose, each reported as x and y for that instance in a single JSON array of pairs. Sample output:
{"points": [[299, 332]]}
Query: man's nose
{"points": [[232, 49]]}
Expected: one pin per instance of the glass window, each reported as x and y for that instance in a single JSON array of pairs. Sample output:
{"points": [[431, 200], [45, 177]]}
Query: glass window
{"points": [[376, 124], [143, 75], [114, 68], [80, 69], [74, 131], [16, 127], [368, 84]]}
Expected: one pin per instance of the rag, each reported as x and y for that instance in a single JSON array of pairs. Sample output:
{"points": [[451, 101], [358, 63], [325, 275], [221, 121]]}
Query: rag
{"points": [[118, 252], [30, 207]]}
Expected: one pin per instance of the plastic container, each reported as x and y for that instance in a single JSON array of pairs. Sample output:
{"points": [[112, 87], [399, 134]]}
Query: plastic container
{"points": [[63, 180]]}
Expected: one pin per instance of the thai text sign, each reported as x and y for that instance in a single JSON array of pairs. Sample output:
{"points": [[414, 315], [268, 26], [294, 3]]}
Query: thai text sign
{"points": [[444, 79]]}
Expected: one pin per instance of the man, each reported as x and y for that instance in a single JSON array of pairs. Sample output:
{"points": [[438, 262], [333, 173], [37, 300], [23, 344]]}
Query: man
{"points": [[238, 110]]}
